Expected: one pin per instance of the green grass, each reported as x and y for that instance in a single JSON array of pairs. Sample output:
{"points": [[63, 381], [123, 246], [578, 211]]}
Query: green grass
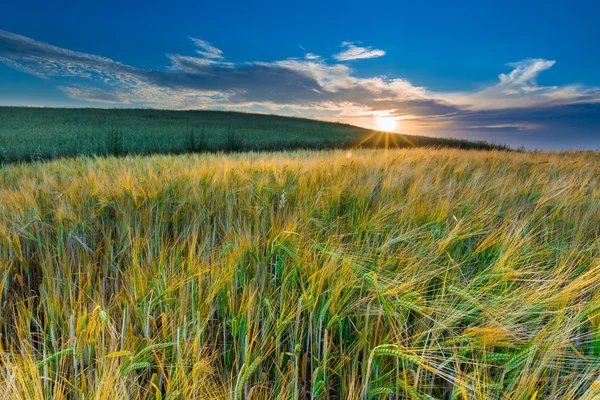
{"points": [[363, 274], [44, 133]]}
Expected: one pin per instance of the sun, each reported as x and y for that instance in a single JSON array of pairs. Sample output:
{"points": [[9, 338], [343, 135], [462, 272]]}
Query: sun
{"points": [[386, 124]]}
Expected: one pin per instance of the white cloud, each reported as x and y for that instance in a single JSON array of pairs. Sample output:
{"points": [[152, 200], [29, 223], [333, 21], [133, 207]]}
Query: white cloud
{"points": [[524, 73], [519, 89], [207, 50], [353, 52], [311, 56]]}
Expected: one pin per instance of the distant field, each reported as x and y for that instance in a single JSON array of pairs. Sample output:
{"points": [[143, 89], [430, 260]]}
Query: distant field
{"points": [[44, 133], [363, 274]]}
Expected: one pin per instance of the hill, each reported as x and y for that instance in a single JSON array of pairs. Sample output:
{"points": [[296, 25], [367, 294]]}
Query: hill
{"points": [[44, 133]]}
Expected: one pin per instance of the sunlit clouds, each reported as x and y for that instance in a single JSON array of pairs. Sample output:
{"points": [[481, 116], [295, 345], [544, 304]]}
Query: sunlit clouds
{"points": [[309, 85]]}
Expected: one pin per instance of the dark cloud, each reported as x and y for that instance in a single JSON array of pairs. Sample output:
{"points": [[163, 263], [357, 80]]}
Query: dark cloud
{"points": [[26, 51], [554, 127], [246, 83], [583, 115]]}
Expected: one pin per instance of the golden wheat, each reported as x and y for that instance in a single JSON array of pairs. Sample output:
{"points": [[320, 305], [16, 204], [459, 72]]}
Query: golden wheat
{"points": [[373, 274]]}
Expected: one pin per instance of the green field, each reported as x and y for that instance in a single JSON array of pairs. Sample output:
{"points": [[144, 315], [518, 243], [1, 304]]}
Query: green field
{"points": [[366, 274], [44, 133]]}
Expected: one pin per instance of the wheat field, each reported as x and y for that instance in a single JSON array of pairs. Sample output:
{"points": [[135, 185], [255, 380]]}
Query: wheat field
{"points": [[37, 134], [400, 274]]}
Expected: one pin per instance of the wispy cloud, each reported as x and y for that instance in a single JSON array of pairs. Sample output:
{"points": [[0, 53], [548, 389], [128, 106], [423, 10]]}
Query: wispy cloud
{"points": [[207, 50], [519, 127], [353, 52], [310, 87], [311, 56]]}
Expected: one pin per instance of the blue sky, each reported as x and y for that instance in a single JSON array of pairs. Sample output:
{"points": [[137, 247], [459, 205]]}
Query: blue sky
{"points": [[524, 73]]}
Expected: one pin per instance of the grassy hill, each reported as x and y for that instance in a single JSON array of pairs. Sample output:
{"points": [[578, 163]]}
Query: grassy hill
{"points": [[42, 133], [443, 274]]}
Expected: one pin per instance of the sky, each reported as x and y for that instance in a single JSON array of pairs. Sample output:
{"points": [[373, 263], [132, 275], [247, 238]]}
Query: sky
{"points": [[514, 72]]}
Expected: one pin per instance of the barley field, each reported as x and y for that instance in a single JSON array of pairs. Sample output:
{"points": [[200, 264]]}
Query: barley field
{"points": [[364, 274]]}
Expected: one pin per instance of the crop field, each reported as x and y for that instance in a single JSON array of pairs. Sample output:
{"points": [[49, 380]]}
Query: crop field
{"points": [[350, 274], [44, 133]]}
